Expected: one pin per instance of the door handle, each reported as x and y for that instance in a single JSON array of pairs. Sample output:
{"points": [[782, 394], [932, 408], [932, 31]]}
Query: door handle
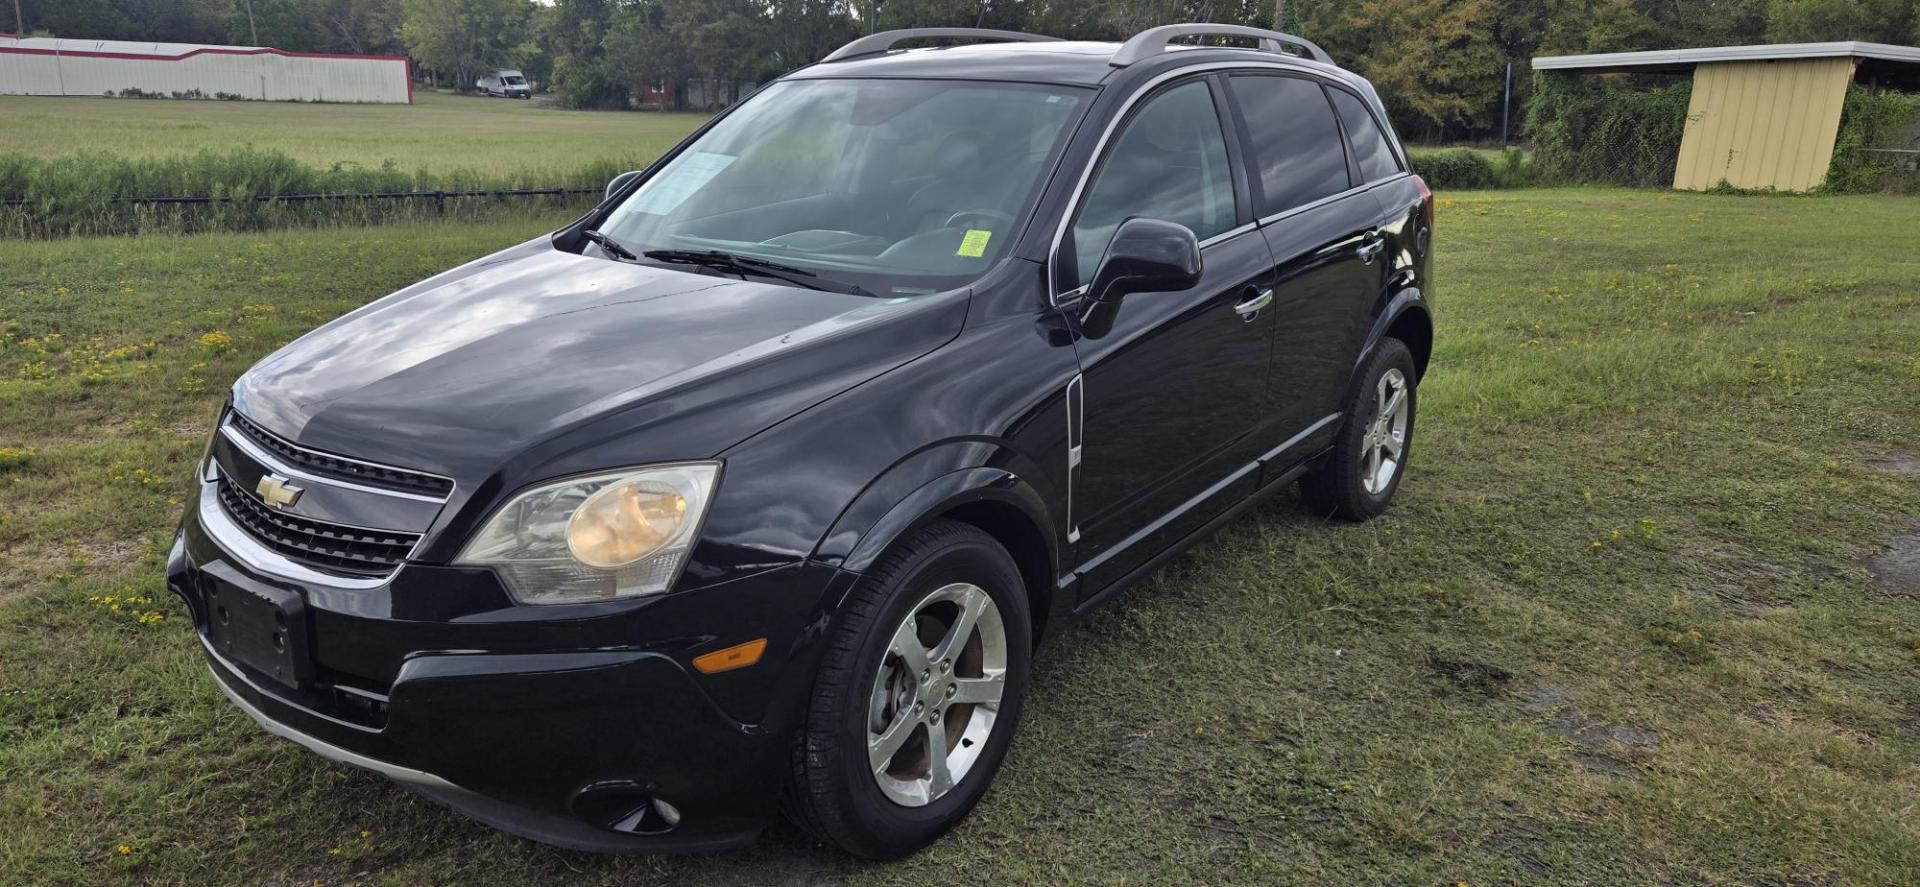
{"points": [[1371, 249], [1249, 308]]}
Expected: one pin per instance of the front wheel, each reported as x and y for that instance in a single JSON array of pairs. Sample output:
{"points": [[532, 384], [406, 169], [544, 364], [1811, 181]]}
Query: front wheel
{"points": [[1369, 457], [917, 696]]}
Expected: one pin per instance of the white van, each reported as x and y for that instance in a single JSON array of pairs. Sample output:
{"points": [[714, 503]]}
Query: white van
{"points": [[506, 83]]}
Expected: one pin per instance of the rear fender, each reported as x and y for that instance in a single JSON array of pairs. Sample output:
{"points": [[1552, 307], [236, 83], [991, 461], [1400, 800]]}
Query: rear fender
{"points": [[1402, 305]]}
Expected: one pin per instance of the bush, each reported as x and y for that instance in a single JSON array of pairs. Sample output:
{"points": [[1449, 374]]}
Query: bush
{"points": [[1589, 129], [94, 192], [1869, 120], [1460, 169]]}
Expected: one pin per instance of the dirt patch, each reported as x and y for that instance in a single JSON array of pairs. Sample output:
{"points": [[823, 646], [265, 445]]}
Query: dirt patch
{"points": [[1898, 568], [1524, 840], [1466, 674], [1897, 462], [1605, 765], [116, 553], [1744, 581], [1131, 746], [1735, 601], [1598, 736], [1541, 700]]}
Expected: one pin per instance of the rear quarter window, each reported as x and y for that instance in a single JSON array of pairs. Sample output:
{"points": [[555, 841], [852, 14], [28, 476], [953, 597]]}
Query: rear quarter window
{"points": [[1297, 157], [1370, 147]]}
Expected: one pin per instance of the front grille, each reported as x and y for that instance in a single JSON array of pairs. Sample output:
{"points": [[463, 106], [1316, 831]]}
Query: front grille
{"points": [[339, 468], [317, 543]]}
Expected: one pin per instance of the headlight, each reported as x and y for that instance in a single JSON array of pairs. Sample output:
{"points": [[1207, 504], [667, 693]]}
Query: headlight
{"points": [[604, 537]]}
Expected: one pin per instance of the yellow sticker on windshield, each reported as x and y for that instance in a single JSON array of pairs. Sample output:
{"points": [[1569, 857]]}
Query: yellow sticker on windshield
{"points": [[974, 245]]}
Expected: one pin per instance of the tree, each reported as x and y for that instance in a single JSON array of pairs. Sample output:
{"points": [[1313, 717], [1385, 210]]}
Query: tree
{"points": [[804, 31], [574, 33], [1813, 21], [641, 50], [176, 21], [282, 24], [727, 41], [462, 38], [1434, 62], [364, 27]]}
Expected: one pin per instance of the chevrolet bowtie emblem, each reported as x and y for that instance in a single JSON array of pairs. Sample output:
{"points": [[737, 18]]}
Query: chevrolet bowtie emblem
{"points": [[277, 491]]}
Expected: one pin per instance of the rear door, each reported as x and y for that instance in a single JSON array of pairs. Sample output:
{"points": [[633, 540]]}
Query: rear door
{"points": [[1175, 393], [1381, 168], [1323, 229]]}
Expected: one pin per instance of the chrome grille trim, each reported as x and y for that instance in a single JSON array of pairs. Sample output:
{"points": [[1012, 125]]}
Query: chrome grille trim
{"points": [[320, 544], [243, 547], [385, 478]]}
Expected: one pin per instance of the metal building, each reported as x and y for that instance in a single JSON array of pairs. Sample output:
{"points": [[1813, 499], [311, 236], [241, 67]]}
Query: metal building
{"points": [[52, 66], [1760, 116]]}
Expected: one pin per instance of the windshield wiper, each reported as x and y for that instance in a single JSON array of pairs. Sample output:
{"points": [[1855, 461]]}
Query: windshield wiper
{"points": [[609, 244], [744, 265]]}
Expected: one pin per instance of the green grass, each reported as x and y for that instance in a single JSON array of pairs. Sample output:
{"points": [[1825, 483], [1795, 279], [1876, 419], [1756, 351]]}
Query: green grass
{"points": [[1617, 629], [438, 133]]}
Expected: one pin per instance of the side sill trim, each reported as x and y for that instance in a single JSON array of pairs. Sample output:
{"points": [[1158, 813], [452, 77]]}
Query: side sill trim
{"points": [[328, 750], [1197, 536]]}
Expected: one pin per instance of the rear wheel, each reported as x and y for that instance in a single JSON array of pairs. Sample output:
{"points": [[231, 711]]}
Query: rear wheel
{"points": [[1358, 478], [917, 697]]}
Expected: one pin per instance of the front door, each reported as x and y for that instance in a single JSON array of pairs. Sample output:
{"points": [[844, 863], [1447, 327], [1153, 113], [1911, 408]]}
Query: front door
{"points": [[1173, 395]]}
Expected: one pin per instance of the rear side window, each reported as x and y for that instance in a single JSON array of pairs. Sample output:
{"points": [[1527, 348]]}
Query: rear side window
{"points": [[1296, 140], [1169, 163], [1369, 144]]}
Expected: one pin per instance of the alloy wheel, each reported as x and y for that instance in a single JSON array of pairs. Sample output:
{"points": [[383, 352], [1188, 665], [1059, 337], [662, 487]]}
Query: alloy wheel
{"points": [[1386, 436], [937, 694]]}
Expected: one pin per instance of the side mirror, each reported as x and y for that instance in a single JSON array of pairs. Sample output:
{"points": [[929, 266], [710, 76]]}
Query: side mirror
{"points": [[620, 181], [1145, 256]]}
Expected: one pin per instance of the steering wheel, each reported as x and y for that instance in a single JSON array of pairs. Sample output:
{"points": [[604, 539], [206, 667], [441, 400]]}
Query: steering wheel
{"points": [[992, 215]]}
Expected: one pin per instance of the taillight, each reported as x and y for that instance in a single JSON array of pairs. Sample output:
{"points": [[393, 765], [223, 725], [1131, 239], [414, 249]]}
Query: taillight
{"points": [[1426, 200]]}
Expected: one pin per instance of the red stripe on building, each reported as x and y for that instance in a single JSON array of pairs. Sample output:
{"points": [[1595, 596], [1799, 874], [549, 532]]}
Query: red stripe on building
{"points": [[204, 50]]}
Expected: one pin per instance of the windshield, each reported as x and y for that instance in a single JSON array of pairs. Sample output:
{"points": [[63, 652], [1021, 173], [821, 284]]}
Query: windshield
{"points": [[515, 80], [899, 186]]}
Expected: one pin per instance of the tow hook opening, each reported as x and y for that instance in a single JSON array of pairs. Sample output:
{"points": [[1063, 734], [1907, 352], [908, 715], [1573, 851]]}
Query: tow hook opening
{"points": [[629, 808]]}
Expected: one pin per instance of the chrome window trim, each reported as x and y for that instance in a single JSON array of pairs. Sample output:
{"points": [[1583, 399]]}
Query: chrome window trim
{"points": [[1308, 207], [1106, 136], [451, 484], [262, 456], [1229, 234]]}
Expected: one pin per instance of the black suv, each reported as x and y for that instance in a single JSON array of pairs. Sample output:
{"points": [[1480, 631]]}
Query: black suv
{"points": [[755, 487]]}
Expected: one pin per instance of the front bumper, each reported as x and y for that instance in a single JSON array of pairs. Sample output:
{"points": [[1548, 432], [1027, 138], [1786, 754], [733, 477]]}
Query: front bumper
{"points": [[543, 722]]}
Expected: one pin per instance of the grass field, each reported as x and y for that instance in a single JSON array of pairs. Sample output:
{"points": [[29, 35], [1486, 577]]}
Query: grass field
{"points": [[1631, 620], [439, 132]]}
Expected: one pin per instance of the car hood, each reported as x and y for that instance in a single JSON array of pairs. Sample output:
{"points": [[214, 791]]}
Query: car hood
{"points": [[538, 348]]}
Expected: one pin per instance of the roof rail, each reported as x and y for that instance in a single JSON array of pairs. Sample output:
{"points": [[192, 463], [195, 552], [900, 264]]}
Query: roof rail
{"points": [[885, 40], [1153, 41]]}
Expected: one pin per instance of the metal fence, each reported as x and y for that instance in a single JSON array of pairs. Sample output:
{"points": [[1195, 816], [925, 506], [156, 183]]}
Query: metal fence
{"points": [[439, 196]]}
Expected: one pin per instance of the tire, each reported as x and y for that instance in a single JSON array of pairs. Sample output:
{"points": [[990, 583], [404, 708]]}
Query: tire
{"points": [[834, 791], [1348, 483]]}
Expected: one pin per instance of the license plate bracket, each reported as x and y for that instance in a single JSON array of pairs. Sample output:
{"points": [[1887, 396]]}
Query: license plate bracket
{"points": [[259, 626]]}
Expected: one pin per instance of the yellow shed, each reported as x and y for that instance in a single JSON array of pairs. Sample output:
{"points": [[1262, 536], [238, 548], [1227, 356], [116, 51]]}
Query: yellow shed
{"points": [[1760, 116]]}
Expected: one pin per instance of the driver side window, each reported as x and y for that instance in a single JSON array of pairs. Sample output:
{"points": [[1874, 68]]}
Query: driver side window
{"points": [[1169, 163]]}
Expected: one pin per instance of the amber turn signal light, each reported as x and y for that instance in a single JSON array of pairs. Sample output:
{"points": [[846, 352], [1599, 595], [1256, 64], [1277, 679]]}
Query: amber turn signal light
{"points": [[736, 656]]}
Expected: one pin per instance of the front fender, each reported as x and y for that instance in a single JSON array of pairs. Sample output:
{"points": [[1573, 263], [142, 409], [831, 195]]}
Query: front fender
{"points": [[930, 483]]}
